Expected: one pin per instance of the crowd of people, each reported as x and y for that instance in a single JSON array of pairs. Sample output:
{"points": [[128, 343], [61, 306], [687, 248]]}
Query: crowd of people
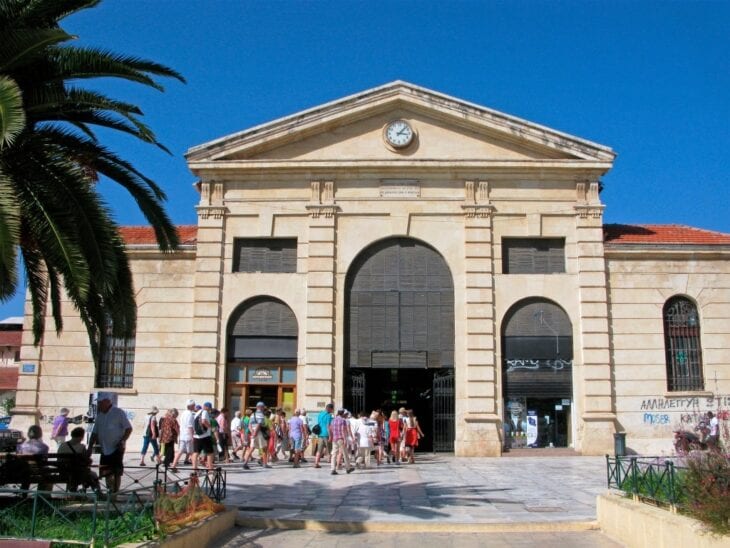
{"points": [[200, 436], [205, 436]]}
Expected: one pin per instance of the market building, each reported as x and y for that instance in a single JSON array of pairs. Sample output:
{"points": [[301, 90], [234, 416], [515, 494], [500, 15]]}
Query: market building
{"points": [[400, 247]]}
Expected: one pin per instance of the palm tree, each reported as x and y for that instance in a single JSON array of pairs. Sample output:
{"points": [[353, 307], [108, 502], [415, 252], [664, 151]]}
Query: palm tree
{"points": [[50, 159]]}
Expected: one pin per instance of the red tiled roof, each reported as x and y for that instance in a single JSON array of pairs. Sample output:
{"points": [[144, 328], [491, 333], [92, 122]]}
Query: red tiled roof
{"points": [[662, 235], [145, 235], [11, 338], [8, 378]]}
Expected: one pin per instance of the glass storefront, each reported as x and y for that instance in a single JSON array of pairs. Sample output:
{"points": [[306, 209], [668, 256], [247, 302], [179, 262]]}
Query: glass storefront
{"points": [[273, 384]]}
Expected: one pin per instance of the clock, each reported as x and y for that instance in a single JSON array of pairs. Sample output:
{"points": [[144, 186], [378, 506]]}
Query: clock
{"points": [[398, 134]]}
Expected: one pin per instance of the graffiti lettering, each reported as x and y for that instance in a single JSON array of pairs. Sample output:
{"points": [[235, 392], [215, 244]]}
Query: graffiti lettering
{"points": [[656, 419], [556, 365]]}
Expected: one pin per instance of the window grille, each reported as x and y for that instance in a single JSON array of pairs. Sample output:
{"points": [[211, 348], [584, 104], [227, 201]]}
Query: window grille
{"points": [[116, 369], [682, 345]]}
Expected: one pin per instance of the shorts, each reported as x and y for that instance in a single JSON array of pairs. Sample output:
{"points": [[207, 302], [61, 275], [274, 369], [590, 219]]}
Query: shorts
{"points": [[186, 446], [113, 463], [322, 445], [259, 442], [203, 445], [297, 444]]}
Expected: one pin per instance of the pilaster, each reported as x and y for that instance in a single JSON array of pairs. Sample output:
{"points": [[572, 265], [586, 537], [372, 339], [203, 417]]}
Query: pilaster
{"points": [[598, 412], [206, 363], [319, 380], [481, 417]]}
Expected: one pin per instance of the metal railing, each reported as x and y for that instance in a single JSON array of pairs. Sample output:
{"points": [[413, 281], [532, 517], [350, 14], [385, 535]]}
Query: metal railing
{"points": [[111, 518], [658, 479], [212, 482]]}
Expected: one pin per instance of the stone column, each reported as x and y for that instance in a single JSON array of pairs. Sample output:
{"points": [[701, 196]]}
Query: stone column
{"points": [[319, 378], [206, 377], [598, 412], [481, 434]]}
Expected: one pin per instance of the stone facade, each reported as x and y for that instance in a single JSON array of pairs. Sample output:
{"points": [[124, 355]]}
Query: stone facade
{"points": [[471, 179]]}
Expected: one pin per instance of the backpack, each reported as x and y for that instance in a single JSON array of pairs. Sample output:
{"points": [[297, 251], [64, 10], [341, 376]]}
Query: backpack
{"points": [[198, 427], [316, 430]]}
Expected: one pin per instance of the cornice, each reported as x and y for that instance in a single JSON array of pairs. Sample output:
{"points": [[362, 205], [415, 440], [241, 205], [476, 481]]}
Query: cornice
{"points": [[395, 94]]}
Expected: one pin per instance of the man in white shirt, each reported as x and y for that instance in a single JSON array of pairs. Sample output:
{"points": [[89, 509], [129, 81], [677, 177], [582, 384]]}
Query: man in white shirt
{"points": [[714, 436], [203, 437], [186, 433], [112, 429]]}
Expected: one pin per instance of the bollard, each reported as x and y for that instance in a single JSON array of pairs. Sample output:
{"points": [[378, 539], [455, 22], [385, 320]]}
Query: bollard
{"points": [[619, 444]]}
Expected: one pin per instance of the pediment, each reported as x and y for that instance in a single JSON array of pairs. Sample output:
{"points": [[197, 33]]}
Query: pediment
{"points": [[351, 129]]}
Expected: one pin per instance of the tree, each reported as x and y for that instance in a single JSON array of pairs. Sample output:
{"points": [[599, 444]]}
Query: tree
{"points": [[50, 160]]}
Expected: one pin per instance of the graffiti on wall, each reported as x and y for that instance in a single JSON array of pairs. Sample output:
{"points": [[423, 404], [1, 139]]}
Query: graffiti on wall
{"points": [[682, 412]]}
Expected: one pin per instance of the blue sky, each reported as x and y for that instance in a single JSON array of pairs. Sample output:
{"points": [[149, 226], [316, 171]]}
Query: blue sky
{"points": [[649, 79]]}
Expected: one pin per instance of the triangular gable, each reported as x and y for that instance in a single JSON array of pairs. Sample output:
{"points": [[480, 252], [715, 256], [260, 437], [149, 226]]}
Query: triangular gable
{"points": [[341, 129]]}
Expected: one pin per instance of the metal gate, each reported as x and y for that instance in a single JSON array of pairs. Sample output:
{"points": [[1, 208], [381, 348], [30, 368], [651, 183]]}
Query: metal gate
{"points": [[357, 391], [443, 411]]}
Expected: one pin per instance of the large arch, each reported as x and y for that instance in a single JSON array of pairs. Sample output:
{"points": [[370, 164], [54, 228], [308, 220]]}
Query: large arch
{"points": [[399, 335], [261, 355], [537, 374]]}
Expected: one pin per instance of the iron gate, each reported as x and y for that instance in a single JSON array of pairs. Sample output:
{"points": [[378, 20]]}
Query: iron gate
{"points": [[357, 391], [443, 411]]}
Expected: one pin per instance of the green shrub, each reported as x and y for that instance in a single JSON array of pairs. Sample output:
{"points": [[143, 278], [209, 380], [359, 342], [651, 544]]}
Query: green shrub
{"points": [[707, 487]]}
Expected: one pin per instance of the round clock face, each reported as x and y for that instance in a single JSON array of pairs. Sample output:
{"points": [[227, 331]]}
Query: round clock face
{"points": [[399, 134]]}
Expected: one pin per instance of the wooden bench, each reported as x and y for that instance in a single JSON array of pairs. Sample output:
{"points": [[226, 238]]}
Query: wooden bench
{"points": [[47, 470]]}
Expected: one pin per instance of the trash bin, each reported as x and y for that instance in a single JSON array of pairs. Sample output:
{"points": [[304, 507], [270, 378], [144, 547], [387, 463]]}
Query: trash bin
{"points": [[619, 444]]}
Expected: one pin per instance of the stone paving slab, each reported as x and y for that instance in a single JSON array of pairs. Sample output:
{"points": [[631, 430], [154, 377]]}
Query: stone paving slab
{"points": [[438, 487], [270, 538]]}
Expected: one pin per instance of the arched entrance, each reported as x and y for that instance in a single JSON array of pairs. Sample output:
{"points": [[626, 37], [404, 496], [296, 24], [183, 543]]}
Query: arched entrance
{"points": [[262, 355], [537, 374], [399, 333]]}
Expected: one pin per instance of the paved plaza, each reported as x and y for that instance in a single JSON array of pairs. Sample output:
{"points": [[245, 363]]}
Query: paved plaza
{"points": [[438, 489], [273, 538]]}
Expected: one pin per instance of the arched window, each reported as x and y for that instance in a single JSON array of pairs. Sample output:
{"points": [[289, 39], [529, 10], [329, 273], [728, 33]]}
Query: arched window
{"points": [[116, 367], [682, 345]]}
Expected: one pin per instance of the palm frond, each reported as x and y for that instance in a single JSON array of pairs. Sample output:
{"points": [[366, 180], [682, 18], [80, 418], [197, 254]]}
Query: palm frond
{"points": [[20, 46], [9, 237], [12, 116]]}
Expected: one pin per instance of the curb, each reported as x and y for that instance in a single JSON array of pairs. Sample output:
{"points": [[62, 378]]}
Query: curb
{"points": [[413, 527]]}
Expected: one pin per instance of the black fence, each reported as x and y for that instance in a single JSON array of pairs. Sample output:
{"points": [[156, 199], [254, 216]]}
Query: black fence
{"points": [[658, 479]]}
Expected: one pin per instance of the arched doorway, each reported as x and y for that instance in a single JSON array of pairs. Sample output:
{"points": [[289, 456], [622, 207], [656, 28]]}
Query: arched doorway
{"points": [[537, 374], [399, 333], [262, 355]]}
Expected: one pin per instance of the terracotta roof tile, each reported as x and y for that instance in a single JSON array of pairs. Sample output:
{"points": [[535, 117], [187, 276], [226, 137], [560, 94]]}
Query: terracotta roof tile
{"points": [[8, 378], [662, 235], [145, 235], [11, 338]]}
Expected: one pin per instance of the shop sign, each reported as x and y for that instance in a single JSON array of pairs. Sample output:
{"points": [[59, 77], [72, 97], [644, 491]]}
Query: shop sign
{"points": [[262, 374]]}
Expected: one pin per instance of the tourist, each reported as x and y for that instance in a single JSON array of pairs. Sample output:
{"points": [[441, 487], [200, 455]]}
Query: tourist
{"points": [[224, 434], [112, 428], [376, 417], [59, 430], [246, 430], [297, 435], [366, 440], [354, 423], [80, 468], [307, 433], [412, 435], [282, 433], [33, 445], [186, 434], [395, 426], [151, 433], [339, 432], [236, 434], [169, 433], [259, 436], [203, 437], [324, 444]]}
